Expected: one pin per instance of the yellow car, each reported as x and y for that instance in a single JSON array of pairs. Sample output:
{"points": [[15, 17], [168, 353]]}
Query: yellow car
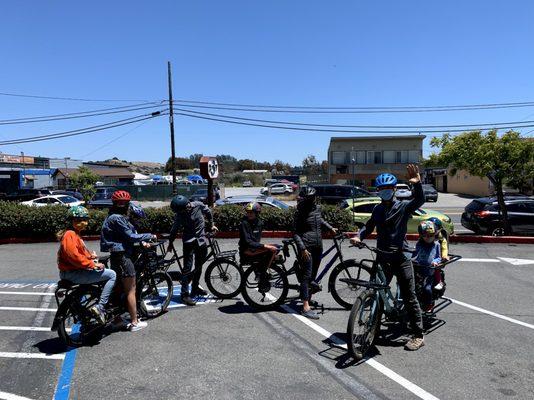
{"points": [[363, 208]]}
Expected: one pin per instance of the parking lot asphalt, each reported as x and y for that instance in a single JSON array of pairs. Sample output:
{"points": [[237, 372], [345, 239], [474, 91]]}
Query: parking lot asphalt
{"points": [[481, 346]]}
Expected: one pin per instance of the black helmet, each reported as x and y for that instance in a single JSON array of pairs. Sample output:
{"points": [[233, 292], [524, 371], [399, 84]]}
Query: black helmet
{"points": [[307, 192], [178, 203]]}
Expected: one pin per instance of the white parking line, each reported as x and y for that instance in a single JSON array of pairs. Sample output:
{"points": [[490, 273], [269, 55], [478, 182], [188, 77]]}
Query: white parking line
{"points": [[493, 314], [486, 260], [25, 328], [10, 396], [412, 387], [6, 354], [29, 293], [28, 309]]}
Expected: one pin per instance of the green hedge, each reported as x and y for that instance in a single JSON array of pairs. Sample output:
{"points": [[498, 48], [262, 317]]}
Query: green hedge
{"points": [[17, 220]]}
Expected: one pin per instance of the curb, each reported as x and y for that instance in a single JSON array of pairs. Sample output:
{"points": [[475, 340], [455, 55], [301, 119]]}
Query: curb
{"points": [[288, 234]]}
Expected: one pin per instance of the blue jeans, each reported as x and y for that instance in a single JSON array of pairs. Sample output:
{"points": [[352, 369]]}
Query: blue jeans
{"points": [[86, 276]]}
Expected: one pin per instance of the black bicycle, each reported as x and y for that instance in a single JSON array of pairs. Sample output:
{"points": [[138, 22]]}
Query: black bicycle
{"points": [[265, 290], [74, 321]]}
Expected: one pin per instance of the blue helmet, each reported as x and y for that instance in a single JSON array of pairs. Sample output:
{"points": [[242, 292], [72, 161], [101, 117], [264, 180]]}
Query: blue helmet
{"points": [[385, 180], [137, 211], [437, 223]]}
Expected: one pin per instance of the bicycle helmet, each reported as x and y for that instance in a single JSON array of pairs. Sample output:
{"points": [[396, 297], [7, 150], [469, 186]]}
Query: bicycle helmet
{"points": [[121, 197], [426, 228], [307, 192], [385, 180], [178, 203], [78, 212], [437, 223], [256, 207], [137, 211]]}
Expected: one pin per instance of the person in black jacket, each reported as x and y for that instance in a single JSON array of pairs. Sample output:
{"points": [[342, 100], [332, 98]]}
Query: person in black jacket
{"points": [[308, 238], [250, 248]]}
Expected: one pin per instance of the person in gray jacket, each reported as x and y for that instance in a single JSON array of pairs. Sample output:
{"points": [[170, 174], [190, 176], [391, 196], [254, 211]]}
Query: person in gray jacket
{"points": [[190, 218], [308, 238]]}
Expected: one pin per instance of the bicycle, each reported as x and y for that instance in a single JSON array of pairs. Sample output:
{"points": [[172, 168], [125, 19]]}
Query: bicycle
{"points": [[377, 299], [265, 290], [223, 276], [74, 321]]}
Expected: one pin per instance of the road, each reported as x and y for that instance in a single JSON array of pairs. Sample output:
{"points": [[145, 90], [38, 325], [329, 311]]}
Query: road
{"points": [[481, 347]]}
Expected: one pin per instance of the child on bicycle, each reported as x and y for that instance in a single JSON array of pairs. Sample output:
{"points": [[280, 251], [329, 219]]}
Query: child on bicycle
{"points": [[78, 265], [250, 230], [118, 237], [427, 254], [441, 235]]}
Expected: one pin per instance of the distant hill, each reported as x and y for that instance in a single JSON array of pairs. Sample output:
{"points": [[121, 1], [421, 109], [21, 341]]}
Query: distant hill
{"points": [[143, 167]]}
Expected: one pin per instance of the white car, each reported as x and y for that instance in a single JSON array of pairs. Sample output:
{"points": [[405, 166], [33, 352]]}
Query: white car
{"points": [[277, 188], [403, 191], [58, 200]]}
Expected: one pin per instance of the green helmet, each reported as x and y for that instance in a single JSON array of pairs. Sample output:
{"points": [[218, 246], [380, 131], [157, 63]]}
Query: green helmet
{"points": [[78, 212]]}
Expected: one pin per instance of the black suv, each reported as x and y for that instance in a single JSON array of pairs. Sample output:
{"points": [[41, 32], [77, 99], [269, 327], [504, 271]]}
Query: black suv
{"points": [[27, 194], [335, 194], [483, 216]]}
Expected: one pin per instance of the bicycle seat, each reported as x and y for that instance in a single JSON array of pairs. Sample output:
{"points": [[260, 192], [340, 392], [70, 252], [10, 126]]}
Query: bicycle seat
{"points": [[65, 284]]}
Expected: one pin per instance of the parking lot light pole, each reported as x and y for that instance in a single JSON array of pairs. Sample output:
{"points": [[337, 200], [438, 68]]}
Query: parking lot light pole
{"points": [[353, 161], [171, 123]]}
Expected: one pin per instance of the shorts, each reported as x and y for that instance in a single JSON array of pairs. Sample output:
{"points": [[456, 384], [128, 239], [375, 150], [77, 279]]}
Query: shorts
{"points": [[122, 265]]}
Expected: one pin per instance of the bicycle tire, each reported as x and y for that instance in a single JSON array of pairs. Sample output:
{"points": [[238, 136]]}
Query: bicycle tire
{"points": [[155, 294], [343, 293], [358, 343], [224, 278], [261, 299]]}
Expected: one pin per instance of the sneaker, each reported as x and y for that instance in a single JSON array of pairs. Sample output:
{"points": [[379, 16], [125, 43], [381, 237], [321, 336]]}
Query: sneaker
{"points": [[99, 313], [415, 343], [439, 286], [188, 301], [309, 314], [137, 326], [198, 292]]}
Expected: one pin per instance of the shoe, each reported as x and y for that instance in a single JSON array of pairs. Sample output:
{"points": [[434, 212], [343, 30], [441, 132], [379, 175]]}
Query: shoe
{"points": [[137, 326], [315, 287], [309, 314], [428, 308], [99, 313], [415, 343], [198, 292], [188, 301], [314, 304], [439, 286]]}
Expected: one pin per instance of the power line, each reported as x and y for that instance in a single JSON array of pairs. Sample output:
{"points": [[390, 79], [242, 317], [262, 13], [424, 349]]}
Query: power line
{"points": [[82, 114], [69, 98], [83, 131], [337, 130], [492, 124]]}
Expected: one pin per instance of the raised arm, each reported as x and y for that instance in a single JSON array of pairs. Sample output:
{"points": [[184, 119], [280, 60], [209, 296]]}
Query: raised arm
{"points": [[418, 195]]}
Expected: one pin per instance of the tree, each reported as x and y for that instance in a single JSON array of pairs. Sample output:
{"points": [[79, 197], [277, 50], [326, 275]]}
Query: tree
{"points": [[84, 181], [311, 166], [246, 164], [179, 163], [281, 167], [506, 159], [324, 167], [195, 160]]}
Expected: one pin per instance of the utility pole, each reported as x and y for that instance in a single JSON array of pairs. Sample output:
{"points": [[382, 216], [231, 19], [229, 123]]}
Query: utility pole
{"points": [[23, 169], [171, 123], [353, 179]]}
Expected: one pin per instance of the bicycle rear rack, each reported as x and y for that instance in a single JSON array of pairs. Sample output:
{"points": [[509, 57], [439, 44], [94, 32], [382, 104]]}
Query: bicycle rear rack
{"points": [[362, 283]]}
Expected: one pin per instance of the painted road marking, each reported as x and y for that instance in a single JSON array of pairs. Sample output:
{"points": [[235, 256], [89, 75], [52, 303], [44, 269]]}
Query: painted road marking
{"points": [[28, 309], [22, 285], [30, 293], [67, 368], [493, 314], [7, 354], [412, 387], [517, 261], [25, 328], [486, 260], [11, 396]]}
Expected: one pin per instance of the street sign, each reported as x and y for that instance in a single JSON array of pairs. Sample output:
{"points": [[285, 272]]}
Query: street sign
{"points": [[209, 168]]}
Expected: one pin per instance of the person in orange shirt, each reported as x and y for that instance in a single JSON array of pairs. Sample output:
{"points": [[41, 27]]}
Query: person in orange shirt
{"points": [[78, 265]]}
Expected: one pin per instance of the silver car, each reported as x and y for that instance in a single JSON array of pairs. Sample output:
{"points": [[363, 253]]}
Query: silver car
{"points": [[403, 191]]}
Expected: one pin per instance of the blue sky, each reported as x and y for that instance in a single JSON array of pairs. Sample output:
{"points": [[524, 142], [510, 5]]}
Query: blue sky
{"points": [[309, 53]]}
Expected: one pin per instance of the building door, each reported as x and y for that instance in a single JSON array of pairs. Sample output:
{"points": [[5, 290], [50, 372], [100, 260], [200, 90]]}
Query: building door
{"points": [[445, 183]]}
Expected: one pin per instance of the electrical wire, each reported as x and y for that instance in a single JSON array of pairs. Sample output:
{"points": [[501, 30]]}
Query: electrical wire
{"points": [[68, 98], [337, 130]]}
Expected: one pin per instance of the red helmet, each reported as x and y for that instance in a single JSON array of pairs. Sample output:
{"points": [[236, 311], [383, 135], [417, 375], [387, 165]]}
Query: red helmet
{"points": [[121, 197]]}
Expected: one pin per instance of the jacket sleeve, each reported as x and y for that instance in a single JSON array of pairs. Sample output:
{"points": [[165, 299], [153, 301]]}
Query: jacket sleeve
{"points": [[444, 248], [437, 254], [418, 198], [369, 227], [176, 226], [208, 215], [129, 234], [296, 232], [324, 223], [72, 254], [246, 235]]}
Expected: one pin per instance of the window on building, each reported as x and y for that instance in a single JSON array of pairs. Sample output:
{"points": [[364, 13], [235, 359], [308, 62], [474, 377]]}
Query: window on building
{"points": [[389, 157], [374, 157], [398, 157], [338, 157], [414, 156], [358, 156], [342, 169]]}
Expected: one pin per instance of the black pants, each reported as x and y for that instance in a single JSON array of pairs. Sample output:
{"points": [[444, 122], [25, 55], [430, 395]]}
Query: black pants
{"points": [[309, 271], [192, 251], [401, 266]]}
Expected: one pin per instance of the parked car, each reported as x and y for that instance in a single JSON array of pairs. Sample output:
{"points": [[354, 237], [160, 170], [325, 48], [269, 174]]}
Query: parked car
{"points": [[184, 182], [277, 188], [336, 194], [102, 197], [72, 193], [431, 194], [363, 208], [200, 195], [483, 216], [244, 200], [247, 184], [293, 185], [27, 194], [403, 191], [57, 199]]}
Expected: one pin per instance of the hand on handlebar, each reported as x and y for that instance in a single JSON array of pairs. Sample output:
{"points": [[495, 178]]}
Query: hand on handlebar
{"points": [[355, 241], [146, 245], [214, 229], [99, 266], [306, 256], [334, 231], [271, 247]]}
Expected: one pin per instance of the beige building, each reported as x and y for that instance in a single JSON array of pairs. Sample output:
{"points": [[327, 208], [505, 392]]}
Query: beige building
{"points": [[362, 158], [463, 183]]}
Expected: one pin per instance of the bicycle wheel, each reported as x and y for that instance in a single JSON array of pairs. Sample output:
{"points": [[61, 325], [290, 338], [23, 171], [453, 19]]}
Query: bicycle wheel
{"points": [[364, 323], [224, 278], [265, 290], [344, 293], [75, 322], [155, 294]]}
